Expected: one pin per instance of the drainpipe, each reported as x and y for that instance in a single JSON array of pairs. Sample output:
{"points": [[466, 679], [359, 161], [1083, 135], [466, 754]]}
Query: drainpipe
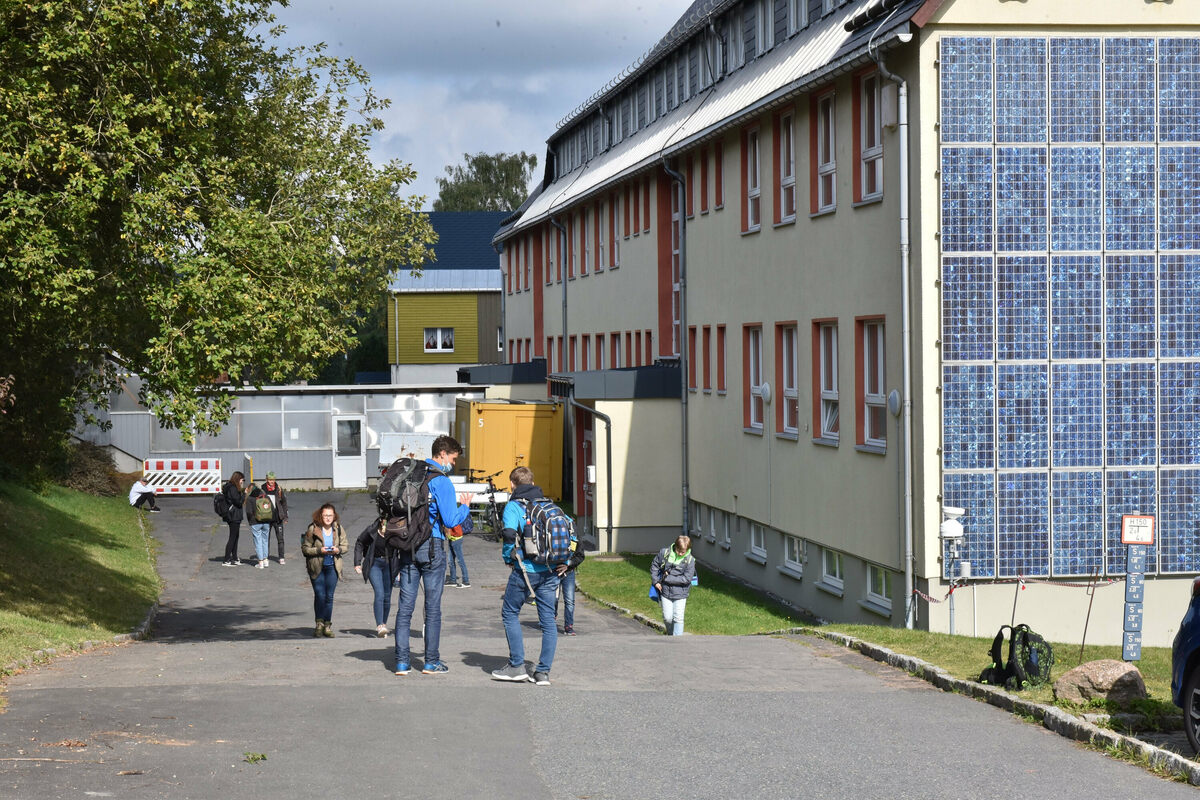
{"points": [[608, 476], [678, 179], [906, 336]]}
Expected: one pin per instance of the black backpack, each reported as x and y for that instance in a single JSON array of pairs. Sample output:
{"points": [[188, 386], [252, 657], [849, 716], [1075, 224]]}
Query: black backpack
{"points": [[403, 501], [221, 504], [1030, 659]]}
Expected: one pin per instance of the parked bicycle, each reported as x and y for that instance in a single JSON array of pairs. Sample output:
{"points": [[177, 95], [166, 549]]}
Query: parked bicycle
{"points": [[491, 513]]}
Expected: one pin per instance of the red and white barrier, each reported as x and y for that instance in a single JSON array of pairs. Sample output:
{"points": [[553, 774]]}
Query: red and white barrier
{"points": [[183, 475]]}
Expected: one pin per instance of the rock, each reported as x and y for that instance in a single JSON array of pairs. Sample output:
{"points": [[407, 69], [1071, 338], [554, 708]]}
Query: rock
{"points": [[1107, 679]]}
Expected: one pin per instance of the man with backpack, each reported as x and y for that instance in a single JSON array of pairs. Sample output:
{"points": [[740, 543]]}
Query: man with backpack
{"points": [[279, 515], [536, 571], [425, 563]]}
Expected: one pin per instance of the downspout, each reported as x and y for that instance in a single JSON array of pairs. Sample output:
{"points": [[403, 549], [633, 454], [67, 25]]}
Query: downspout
{"points": [[905, 334], [608, 476], [678, 179]]}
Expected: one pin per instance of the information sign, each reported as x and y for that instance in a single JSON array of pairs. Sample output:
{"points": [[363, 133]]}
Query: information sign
{"points": [[1137, 529]]}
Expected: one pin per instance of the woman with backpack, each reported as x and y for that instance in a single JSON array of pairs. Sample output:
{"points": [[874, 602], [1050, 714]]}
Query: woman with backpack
{"points": [[370, 553], [672, 573], [234, 499], [322, 545]]}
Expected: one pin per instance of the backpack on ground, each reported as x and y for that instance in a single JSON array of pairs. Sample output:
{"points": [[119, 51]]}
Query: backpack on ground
{"points": [[549, 535], [221, 504], [403, 502], [264, 509], [1030, 659]]}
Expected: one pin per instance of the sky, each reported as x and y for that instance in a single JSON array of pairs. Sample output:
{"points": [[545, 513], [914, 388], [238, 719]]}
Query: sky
{"points": [[466, 76]]}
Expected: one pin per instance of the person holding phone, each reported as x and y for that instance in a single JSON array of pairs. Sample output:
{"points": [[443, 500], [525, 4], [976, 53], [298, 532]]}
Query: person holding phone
{"points": [[322, 545]]}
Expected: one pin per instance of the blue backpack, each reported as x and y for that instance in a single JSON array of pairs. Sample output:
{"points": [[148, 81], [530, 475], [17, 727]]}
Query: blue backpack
{"points": [[549, 535]]}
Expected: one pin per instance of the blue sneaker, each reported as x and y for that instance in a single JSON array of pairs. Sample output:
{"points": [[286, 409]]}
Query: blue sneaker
{"points": [[402, 668], [435, 668]]}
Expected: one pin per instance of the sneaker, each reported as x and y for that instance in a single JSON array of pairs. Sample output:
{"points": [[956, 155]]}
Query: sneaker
{"points": [[281, 561], [319, 631], [465, 585], [266, 562], [237, 562], [155, 510], [569, 630], [541, 678], [261, 565], [435, 668], [449, 581], [228, 564], [510, 673], [458, 584], [381, 631], [402, 668]]}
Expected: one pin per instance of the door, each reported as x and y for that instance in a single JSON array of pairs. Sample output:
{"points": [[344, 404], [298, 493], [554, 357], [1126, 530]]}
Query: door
{"points": [[349, 453], [586, 524]]}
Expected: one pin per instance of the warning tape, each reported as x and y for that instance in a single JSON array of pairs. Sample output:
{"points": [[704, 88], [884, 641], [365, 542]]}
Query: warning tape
{"points": [[1022, 580]]}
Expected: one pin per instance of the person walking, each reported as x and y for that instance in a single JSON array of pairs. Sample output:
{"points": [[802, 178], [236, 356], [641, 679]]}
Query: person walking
{"points": [[426, 566], [672, 573], [566, 576], [280, 516], [526, 577], [454, 537], [143, 493], [322, 546], [371, 561], [235, 498]]}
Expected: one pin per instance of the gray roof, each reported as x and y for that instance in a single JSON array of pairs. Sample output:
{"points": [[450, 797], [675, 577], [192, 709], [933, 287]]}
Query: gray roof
{"points": [[448, 280]]}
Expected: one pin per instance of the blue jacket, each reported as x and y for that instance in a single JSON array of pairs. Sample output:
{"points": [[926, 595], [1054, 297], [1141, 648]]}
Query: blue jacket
{"points": [[514, 520], [443, 496]]}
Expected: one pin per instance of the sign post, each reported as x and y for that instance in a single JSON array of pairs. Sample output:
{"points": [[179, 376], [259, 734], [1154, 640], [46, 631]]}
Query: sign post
{"points": [[1137, 534]]}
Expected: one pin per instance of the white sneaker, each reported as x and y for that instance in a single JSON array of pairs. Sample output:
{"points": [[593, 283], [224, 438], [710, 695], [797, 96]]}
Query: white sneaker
{"points": [[260, 565], [281, 561], [266, 563]]}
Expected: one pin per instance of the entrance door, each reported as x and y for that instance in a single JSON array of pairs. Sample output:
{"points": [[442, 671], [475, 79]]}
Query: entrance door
{"points": [[349, 453], [587, 495]]}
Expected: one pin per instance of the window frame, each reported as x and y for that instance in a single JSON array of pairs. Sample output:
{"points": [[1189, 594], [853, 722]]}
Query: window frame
{"points": [[824, 152], [440, 333], [758, 539], [785, 168], [826, 397], [787, 358], [873, 597], [836, 578], [871, 367], [797, 16], [793, 561], [868, 136], [753, 380], [722, 376], [751, 179]]}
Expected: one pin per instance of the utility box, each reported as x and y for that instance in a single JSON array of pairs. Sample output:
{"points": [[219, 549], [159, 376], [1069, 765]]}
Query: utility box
{"points": [[499, 435]]}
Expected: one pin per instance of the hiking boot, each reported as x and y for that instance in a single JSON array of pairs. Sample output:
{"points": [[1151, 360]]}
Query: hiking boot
{"points": [[327, 631], [402, 668], [381, 631], [541, 678], [319, 631], [569, 630], [435, 668], [510, 673]]}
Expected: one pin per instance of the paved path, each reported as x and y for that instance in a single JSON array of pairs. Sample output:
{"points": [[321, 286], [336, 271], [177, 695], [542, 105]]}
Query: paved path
{"points": [[233, 669]]}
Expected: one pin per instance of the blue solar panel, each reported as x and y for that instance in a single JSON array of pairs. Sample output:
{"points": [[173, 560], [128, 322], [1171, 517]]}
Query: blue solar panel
{"points": [[1077, 411], [1021, 400], [1074, 90], [1179, 198], [1178, 90], [1078, 503], [1179, 520], [1022, 524], [1021, 90], [1179, 406], [1129, 198], [1075, 198], [1129, 420], [968, 421], [1179, 306], [966, 199], [1129, 90], [1127, 492], [1021, 199], [974, 491], [1021, 313], [1076, 309], [967, 308], [1129, 325], [966, 89]]}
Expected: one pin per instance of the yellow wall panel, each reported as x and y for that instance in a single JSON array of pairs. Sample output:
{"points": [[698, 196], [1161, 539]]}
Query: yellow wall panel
{"points": [[408, 316]]}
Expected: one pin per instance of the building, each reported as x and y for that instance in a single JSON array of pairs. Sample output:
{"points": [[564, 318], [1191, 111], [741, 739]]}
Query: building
{"points": [[448, 316], [902, 256]]}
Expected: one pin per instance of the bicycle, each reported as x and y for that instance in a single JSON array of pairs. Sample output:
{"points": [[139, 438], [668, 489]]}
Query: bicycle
{"points": [[491, 514]]}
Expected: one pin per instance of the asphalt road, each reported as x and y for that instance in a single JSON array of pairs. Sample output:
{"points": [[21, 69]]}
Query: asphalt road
{"points": [[232, 669]]}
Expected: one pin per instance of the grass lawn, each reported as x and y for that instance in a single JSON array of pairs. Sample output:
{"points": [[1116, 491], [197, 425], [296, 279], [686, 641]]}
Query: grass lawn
{"points": [[73, 568], [720, 606], [716, 606]]}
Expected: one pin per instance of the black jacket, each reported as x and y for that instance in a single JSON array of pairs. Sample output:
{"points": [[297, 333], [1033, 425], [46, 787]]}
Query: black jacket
{"points": [[369, 546], [236, 499]]}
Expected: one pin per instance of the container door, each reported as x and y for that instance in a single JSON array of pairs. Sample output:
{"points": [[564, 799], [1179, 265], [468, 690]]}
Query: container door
{"points": [[349, 453]]}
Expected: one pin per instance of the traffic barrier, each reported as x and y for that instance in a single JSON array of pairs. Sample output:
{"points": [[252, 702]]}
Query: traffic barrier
{"points": [[183, 475]]}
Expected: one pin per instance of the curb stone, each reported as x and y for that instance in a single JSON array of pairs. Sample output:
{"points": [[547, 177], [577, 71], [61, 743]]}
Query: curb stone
{"points": [[642, 618], [1052, 719], [37, 656]]}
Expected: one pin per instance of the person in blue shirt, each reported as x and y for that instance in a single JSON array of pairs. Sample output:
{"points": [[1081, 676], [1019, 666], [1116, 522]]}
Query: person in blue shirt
{"points": [[426, 566], [525, 574]]}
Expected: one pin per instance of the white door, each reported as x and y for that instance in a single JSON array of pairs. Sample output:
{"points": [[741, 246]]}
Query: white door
{"points": [[349, 453]]}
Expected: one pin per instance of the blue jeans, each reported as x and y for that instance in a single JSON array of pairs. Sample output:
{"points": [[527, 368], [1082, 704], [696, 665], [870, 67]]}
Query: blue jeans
{"points": [[456, 552], [545, 588], [673, 615], [427, 566], [261, 531], [380, 573], [324, 585], [568, 598]]}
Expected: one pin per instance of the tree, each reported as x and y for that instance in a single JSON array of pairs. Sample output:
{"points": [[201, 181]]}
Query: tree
{"points": [[181, 199], [497, 182]]}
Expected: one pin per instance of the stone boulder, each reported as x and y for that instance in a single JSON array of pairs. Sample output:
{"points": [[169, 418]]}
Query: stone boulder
{"points": [[1107, 679]]}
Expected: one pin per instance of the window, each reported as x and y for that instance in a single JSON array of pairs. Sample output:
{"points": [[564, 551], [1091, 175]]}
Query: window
{"points": [[753, 375], [548, 236], [584, 352], [508, 270], [737, 45], [797, 15], [751, 200], [626, 206], [879, 587], [719, 175], [637, 209], [707, 358], [692, 357], [550, 353], [765, 35], [758, 539], [637, 348], [793, 554], [614, 355], [500, 339], [785, 161], [601, 235], [721, 386], [825, 175], [726, 536], [826, 420], [629, 353], [571, 249], [869, 138], [690, 187], [439, 340], [599, 351], [650, 348], [712, 524], [872, 406], [646, 206], [787, 365], [571, 350], [703, 180], [614, 257], [831, 569], [585, 241]]}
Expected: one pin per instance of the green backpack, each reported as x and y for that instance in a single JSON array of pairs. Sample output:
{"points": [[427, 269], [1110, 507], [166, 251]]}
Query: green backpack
{"points": [[264, 509]]}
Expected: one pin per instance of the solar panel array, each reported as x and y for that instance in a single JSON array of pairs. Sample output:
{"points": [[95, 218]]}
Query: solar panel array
{"points": [[1070, 276]]}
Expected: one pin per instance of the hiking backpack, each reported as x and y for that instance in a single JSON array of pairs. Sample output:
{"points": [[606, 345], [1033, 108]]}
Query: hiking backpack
{"points": [[264, 509], [549, 535], [403, 502], [1030, 658]]}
